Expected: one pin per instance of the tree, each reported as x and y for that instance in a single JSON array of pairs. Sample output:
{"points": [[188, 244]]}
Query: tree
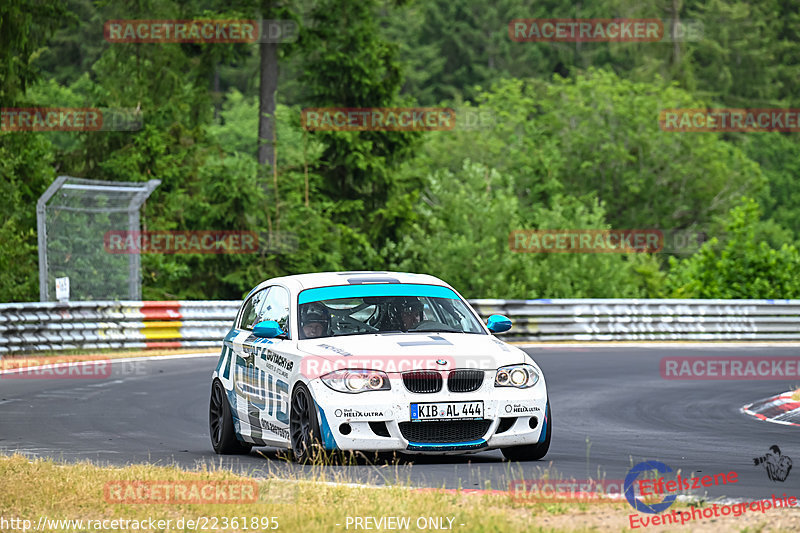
{"points": [[742, 267], [348, 64], [462, 235]]}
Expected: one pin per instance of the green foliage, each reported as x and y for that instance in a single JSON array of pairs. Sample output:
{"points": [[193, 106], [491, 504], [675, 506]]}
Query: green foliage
{"points": [[597, 134], [743, 267], [571, 141], [357, 68], [608, 134], [463, 236], [24, 26], [25, 172]]}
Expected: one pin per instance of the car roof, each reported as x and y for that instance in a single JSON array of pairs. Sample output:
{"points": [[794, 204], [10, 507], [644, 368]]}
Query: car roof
{"points": [[299, 282]]}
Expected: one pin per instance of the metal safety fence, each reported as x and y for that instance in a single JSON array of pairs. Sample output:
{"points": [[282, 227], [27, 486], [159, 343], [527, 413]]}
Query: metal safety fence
{"points": [[50, 326]]}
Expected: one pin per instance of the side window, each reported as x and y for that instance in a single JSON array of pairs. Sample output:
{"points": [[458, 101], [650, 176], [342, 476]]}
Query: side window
{"points": [[276, 307], [252, 308]]}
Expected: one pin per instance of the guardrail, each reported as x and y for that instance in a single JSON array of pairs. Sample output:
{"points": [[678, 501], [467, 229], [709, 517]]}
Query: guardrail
{"points": [[626, 320], [29, 327]]}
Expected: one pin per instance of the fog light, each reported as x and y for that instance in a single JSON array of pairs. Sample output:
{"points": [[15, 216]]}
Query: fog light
{"points": [[502, 377], [533, 422], [375, 381], [345, 429]]}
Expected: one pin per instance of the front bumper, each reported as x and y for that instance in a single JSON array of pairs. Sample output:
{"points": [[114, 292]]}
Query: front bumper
{"points": [[381, 420]]}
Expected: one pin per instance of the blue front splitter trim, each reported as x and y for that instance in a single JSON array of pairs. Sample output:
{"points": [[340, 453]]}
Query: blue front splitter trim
{"points": [[435, 447], [328, 442]]}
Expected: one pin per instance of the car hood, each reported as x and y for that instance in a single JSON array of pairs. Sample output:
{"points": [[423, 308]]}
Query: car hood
{"points": [[421, 350]]}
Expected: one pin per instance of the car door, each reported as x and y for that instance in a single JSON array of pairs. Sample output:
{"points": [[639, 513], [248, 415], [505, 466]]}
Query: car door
{"points": [[263, 370], [246, 397]]}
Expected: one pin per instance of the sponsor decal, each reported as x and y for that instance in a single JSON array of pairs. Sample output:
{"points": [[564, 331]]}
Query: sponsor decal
{"points": [[275, 358], [266, 392], [500, 343], [519, 408], [334, 349], [355, 413], [272, 428]]}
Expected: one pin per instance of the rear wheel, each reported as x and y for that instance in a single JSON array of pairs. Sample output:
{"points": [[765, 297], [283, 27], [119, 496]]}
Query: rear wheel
{"points": [[532, 452], [304, 427], [220, 423]]}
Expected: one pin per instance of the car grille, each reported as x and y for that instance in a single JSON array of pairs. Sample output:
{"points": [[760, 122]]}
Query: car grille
{"points": [[423, 381], [464, 380], [445, 431]]}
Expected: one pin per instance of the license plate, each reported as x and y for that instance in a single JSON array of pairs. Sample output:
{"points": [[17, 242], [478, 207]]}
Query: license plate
{"points": [[446, 411]]}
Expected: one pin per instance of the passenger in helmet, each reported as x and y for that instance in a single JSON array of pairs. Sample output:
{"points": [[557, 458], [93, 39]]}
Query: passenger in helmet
{"points": [[314, 321]]}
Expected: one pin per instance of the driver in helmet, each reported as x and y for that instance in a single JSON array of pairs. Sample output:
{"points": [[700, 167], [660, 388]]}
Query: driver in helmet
{"points": [[407, 312], [315, 321]]}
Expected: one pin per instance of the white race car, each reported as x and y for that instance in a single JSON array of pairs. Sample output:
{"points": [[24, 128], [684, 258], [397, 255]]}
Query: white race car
{"points": [[373, 361]]}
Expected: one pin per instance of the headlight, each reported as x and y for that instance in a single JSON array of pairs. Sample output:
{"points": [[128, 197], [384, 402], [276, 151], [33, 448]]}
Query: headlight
{"points": [[520, 376], [354, 381]]}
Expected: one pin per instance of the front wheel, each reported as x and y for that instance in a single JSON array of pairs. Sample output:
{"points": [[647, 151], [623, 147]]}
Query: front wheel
{"points": [[533, 452], [304, 427], [220, 423]]}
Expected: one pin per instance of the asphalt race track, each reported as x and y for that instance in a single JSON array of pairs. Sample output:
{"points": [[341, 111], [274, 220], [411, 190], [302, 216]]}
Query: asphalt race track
{"points": [[611, 409]]}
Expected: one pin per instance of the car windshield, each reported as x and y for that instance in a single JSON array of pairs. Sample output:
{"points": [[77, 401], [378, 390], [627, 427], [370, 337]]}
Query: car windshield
{"points": [[437, 311]]}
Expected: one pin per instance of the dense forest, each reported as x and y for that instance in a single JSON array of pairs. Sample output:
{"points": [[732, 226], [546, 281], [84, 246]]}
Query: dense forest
{"points": [[568, 136]]}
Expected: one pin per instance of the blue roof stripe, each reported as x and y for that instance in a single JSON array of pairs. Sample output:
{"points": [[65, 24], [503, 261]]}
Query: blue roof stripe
{"points": [[378, 289]]}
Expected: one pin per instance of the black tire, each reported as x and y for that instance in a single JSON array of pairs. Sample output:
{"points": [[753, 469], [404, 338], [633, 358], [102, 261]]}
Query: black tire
{"points": [[304, 431], [220, 424], [532, 452]]}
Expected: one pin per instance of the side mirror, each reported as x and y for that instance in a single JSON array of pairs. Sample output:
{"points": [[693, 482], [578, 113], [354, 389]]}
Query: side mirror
{"points": [[268, 329], [498, 323]]}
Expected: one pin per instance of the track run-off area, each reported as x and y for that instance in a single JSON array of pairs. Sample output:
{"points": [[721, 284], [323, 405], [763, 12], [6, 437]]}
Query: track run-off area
{"points": [[611, 410]]}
